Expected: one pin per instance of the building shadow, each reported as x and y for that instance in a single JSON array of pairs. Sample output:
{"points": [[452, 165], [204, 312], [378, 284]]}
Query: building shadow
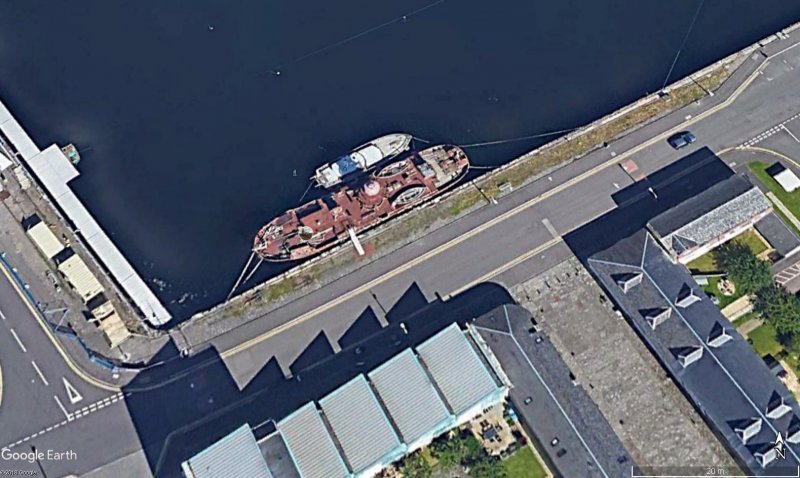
{"points": [[640, 202], [184, 405]]}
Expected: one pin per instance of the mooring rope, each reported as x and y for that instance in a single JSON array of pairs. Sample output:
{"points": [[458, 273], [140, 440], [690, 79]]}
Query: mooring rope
{"points": [[239, 280], [521, 138], [253, 271], [306, 192], [683, 43], [277, 71]]}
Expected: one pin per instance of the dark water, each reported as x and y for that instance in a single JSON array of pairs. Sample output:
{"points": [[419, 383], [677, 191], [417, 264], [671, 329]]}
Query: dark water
{"points": [[191, 142]]}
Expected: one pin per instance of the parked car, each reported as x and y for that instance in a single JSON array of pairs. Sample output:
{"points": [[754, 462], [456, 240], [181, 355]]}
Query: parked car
{"points": [[681, 140]]}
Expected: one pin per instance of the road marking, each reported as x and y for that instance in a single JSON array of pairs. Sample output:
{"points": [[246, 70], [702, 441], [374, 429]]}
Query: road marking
{"points": [[790, 133], [549, 226], [2, 315], [61, 406], [766, 134], [46, 329], [19, 342], [41, 375], [508, 265], [70, 418], [491, 223], [72, 394]]}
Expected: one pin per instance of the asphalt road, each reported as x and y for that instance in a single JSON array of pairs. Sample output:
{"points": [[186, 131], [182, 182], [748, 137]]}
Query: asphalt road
{"points": [[506, 248]]}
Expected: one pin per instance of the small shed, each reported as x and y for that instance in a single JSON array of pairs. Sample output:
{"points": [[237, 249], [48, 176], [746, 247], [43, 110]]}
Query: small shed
{"points": [[78, 274], [114, 329], [784, 176], [42, 236]]}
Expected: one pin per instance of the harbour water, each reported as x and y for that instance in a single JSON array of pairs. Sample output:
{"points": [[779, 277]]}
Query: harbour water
{"points": [[197, 123]]}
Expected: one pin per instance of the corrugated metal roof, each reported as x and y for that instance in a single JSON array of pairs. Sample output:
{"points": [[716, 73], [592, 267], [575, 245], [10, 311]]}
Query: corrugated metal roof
{"points": [[361, 426], [456, 369], [310, 444], [235, 455], [45, 240], [78, 274], [115, 329], [410, 397]]}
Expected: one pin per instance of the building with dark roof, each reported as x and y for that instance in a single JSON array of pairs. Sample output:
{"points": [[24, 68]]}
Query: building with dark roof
{"points": [[718, 214], [730, 386]]}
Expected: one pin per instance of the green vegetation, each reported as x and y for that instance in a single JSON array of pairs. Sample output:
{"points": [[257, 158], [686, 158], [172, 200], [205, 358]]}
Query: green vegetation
{"points": [[416, 466], [745, 270], [745, 319], [780, 308], [463, 450], [712, 288], [765, 340], [707, 263], [790, 200], [523, 464]]}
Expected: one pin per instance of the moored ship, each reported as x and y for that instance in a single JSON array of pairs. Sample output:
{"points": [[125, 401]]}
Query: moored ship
{"points": [[362, 158], [323, 223]]}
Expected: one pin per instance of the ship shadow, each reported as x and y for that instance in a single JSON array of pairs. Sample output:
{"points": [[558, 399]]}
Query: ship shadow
{"points": [[184, 405]]}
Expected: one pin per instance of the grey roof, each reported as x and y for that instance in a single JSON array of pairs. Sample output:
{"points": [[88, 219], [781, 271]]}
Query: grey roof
{"points": [[310, 444], [361, 426], [778, 234], [410, 397], [709, 215], [235, 455], [729, 384], [456, 369]]}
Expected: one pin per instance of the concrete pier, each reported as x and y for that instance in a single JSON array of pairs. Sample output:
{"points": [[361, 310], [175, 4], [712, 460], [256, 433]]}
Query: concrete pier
{"points": [[54, 171]]}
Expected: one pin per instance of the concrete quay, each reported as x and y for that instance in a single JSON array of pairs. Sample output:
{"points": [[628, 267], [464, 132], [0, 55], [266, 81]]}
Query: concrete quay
{"points": [[53, 171]]}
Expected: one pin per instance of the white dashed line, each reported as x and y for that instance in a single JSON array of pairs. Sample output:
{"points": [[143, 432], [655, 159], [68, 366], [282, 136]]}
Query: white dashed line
{"points": [[19, 342], [766, 134], [39, 372], [85, 411], [2, 315]]}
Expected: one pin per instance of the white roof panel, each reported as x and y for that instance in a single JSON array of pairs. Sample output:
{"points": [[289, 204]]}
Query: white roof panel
{"points": [[456, 369], [19, 138], [361, 426], [45, 240], [78, 274], [410, 397], [310, 444], [237, 454], [788, 180]]}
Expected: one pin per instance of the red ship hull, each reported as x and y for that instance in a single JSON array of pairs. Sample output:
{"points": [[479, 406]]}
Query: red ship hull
{"points": [[324, 223]]}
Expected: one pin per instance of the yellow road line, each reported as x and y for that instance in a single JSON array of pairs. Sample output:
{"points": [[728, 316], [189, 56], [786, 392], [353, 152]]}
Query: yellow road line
{"points": [[46, 329], [774, 153], [491, 223], [508, 265]]}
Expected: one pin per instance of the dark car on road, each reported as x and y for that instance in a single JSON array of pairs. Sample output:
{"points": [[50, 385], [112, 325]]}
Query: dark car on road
{"points": [[682, 139]]}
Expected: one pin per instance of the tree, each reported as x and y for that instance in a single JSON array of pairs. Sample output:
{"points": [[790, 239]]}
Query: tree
{"points": [[780, 308], [458, 450], [487, 467], [748, 273], [416, 466]]}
